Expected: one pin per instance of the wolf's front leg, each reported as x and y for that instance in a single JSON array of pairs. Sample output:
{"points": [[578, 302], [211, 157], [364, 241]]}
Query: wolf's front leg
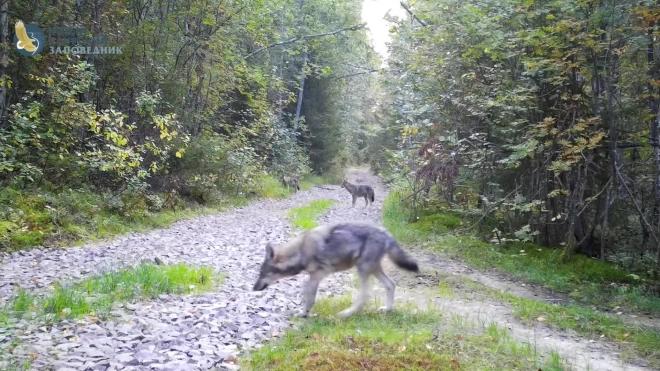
{"points": [[309, 296]]}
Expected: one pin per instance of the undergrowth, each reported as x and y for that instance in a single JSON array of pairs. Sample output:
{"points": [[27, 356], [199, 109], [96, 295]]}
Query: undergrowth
{"points": [[59, 217], [408, 339], [583, 279]]}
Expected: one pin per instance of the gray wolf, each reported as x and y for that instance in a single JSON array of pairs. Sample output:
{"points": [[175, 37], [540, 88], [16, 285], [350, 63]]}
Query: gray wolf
{"points": [[358, 190], [327, 249], [291, 182]]}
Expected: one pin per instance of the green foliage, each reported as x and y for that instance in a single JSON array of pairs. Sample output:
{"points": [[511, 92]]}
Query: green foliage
{"points": [[182, 116], [81, 140], [50, 219], [273, 188], [549, 109], [582, 278]]}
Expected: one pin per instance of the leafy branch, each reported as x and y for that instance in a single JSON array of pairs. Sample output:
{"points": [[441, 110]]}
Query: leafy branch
{"points": [[407, 8]]}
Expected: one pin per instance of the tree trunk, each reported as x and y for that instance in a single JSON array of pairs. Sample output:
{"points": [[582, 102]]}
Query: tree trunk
{"points": [[300, 92], [4, 58], [280, 105], [655, 131]]}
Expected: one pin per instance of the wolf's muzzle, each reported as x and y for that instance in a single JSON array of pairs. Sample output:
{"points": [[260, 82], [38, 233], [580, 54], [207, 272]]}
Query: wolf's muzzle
{"points": [[260, 286]]}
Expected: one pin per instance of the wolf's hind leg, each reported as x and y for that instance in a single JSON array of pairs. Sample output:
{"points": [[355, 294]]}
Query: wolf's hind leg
{"points": [[362, 296], [389, 289]]}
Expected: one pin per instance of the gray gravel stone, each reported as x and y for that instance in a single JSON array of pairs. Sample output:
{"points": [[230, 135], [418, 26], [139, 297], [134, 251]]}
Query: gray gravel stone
{"points": [[206, 331]]}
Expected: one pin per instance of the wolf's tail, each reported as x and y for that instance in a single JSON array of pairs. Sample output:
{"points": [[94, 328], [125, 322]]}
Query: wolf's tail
{"points": [[298, 186], [372, 195], [401, 258]]}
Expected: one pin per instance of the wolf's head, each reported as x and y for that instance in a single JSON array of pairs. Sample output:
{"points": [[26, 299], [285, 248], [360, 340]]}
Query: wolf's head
{"points": [[343, 183], [275, 267]]}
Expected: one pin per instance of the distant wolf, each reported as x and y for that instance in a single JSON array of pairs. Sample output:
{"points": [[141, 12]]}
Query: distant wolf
{"points": [[333, 248], [291, 182], [358, 190]]}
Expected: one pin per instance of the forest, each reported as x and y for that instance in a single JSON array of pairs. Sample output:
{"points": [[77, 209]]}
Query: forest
{"points": [[209, 103], [542, 116], [536, 121], [516, 135]]}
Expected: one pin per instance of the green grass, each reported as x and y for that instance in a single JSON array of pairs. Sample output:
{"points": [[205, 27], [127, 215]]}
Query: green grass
{"points": [[96, 295], [403, 339], [584, 279], [640, 340], [273, 188], [10, 362], [304, 217], [72, 216]]}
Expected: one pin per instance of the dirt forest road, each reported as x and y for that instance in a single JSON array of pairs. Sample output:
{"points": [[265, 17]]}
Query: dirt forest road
{"points": [[208, 331]]}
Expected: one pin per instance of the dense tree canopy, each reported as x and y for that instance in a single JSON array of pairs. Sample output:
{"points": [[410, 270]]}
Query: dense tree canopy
{"points": [[205, 99], [540, 118], [543, 114]]}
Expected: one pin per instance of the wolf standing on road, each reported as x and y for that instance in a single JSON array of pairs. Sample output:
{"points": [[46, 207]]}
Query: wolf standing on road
{"points": [[291, 182], [334, 248], [358, 190]]}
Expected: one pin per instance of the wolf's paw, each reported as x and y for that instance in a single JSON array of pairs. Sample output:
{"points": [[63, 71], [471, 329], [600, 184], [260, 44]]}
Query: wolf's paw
{"points": [[345, 313], [301, 314], [384, 309]]}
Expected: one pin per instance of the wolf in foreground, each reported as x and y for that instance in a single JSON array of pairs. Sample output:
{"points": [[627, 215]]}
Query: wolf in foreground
{"points": [[358, 190], [291, 182], [334, 248]]}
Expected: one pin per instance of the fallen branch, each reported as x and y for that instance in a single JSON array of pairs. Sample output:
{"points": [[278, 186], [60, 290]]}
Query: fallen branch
{"points": [[639, 209], [423, 23], [329, 189], [305, 37], [485, 214]]}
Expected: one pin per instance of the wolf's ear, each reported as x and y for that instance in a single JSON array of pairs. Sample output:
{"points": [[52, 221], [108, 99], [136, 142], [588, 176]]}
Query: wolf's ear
{"points": [[269, 251]]}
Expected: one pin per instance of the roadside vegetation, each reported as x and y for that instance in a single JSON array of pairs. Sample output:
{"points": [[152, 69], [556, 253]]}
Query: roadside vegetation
{"points": [[74, 216], [590, 286], [96, 295], [88, 152], [407, 338]]}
